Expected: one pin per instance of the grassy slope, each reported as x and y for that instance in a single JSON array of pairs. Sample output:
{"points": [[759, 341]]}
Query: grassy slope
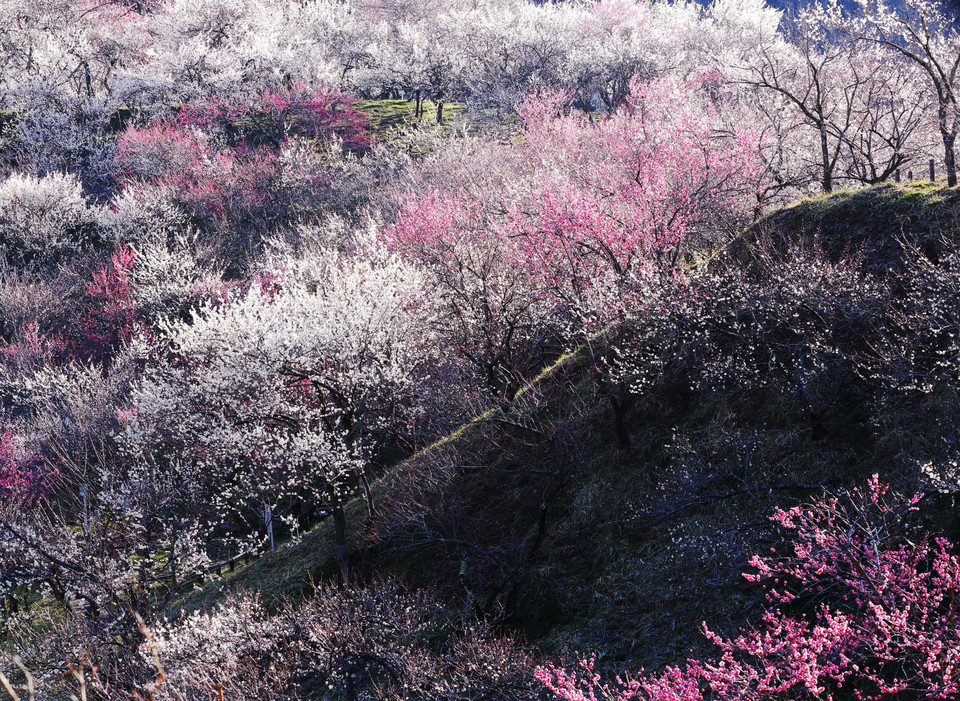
{"points": [[868, 225], [623, 565]]}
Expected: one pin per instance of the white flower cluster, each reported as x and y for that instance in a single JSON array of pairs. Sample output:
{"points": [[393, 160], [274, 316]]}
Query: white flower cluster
{"points": [[380, 641], [43, 219], [282, 389]]}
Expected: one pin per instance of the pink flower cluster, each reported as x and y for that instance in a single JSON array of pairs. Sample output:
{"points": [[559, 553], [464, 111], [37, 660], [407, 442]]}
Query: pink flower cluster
{"points": [[222, 157], [22, 479], [108, 320], [858, 610], [633, 183], [214, 183], [600, 200], [270, 117], [111, 317]]}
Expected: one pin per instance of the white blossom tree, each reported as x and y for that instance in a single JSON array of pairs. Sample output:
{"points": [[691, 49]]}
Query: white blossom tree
{"points": [[279, 394], [925, 34]]}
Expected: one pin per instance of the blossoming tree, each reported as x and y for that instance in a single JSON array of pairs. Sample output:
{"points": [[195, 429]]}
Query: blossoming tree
{"points": [[858, 608]]}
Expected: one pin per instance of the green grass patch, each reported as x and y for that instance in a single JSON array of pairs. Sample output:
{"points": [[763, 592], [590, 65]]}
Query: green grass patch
{"points": [[391, 119]]}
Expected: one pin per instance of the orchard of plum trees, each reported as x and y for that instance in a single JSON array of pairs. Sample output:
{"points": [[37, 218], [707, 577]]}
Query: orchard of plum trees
{"points": [[232, 299]]}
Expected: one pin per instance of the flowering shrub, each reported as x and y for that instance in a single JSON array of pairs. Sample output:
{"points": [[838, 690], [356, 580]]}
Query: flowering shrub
{"points": [[220, 187], [376, 642], [22, 477], [602, 201], [227, 159], [493, 315], [791, 323], [44, 220], [861, 609]]}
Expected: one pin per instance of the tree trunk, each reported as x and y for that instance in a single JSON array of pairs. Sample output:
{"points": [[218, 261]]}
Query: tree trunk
{"points": [[367, 494], [173, 559], [439, 112], [949, 137], [950, 158], [341, 552], [825, 154], [620, 407]]}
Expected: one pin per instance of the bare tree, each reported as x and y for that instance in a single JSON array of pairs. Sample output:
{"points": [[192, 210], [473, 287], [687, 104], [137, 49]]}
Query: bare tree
{"points": [[889, 114], [922, 32]]}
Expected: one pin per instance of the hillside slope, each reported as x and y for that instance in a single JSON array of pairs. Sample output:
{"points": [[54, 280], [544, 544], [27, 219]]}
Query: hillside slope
{"points": [[535, 515]]}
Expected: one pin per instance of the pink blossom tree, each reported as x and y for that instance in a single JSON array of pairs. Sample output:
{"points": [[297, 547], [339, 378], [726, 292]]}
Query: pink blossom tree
{"points": [[494, 316], [571, 238], [234, 162], [22, 478], [602, 202], [617, 197], [859, 609]]}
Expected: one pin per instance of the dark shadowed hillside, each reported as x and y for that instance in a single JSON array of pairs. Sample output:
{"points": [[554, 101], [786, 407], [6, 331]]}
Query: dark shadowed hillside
{"points": [[532, 513]]}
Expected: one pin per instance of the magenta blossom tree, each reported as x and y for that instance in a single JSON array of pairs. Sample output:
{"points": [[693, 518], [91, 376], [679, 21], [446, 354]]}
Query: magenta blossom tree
{"points": [[108, 318], [22, 477], [111, 317], [858, 608], [271, 117], [244, 164]]}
